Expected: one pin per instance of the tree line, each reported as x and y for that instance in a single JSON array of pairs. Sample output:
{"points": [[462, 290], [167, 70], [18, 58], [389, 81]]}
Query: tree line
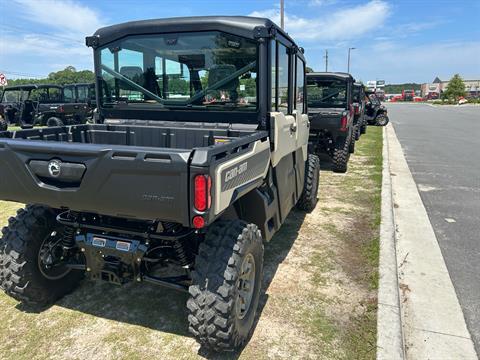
{"points": [[69, 75]]}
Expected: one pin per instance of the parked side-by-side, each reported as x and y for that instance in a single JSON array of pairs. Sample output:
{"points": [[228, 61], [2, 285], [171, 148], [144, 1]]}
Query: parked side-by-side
{"points": [[45, 105], [199, 154]]}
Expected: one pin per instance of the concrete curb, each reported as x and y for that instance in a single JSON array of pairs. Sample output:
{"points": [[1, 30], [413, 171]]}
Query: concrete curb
{"points": [[389, 324]]}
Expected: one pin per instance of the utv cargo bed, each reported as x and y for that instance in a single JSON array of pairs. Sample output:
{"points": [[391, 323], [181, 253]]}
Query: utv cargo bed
{"points": [[118, 170]]}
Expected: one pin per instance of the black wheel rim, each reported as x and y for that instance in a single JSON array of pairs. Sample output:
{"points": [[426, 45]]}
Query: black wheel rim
{"points": [[51, 262], [245, 286]]}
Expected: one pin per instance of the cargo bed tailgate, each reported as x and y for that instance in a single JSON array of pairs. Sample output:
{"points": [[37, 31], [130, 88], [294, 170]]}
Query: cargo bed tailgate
{"points": [[136, 182], [328, 119]]}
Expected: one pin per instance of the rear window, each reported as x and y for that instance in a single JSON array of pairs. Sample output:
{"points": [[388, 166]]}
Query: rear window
{"points": [[323, 93]]}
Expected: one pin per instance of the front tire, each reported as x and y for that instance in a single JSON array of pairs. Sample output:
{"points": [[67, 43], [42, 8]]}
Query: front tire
{"points": [[3, 124], [308, 199], [341, 155], [357, 132], [351, 145], [381, 120], [23, 274], [363, 128], [54, 121], [226, 285]]}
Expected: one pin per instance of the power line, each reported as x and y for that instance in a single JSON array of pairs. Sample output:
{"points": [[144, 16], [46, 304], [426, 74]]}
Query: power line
{"points": [[28, 32], [21, 74]]}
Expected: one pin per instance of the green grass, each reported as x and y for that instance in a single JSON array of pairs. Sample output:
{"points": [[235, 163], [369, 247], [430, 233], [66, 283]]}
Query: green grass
{"points": [[358, 240]]}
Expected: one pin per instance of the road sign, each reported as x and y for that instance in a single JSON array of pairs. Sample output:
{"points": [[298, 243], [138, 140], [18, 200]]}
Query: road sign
{"points": [[3, 80]]}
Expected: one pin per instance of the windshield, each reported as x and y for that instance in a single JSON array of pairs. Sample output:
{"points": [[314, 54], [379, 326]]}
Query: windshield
{"points": [[11, 96], [205, 70], [326, 93]]}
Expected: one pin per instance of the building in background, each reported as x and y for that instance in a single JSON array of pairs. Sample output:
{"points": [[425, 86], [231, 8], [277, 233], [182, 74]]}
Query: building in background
{"points": [[378, 86], [437, 87]]}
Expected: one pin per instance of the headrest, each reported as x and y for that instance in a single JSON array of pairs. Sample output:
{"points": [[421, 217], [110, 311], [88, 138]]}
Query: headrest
{"points": [[131, 72], [219, 72]]}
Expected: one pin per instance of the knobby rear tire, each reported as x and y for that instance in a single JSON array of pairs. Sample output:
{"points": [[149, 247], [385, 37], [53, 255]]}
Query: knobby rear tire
{"points": [[20, 275], [213, 316], [308, 199]]}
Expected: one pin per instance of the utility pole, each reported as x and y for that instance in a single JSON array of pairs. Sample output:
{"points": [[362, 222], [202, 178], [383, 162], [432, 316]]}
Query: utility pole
{"points": [[282, 14], [326, 60], [348, 64]]}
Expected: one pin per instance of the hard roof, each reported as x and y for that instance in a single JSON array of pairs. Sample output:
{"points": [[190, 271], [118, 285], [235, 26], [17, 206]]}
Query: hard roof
{"points": [[245, 26], [337, 75], [32, 86]]}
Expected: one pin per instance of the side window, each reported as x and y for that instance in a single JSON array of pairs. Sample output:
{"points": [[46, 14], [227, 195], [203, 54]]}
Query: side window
{"points": [[273, 45], [68, 94], [82, 94], [300, 86], [54, 95], [131, 66], [283, 93]]}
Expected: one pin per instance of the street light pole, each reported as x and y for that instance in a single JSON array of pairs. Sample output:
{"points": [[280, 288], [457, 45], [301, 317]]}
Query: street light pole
{"points": [[326, 60], [348, 64], [282, 14]]}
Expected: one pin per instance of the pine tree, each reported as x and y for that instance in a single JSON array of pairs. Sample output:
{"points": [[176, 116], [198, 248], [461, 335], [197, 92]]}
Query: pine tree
{"points": [[455, 89]]}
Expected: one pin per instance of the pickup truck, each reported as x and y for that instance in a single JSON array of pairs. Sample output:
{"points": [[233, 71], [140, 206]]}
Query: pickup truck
{"points": [[198, 156], [331, 113]]}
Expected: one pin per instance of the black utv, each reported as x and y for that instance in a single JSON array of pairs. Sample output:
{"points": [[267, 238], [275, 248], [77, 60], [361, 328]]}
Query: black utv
{"points": [[29, 105], [331, 113], [81, 94], [200, 154], [375, 112], [359, 109]]}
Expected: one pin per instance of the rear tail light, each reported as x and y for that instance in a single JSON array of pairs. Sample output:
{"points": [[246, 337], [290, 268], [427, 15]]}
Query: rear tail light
{"points": [[357, 109], [343, 123], [198, 222], [202, 193], [61, 109]]}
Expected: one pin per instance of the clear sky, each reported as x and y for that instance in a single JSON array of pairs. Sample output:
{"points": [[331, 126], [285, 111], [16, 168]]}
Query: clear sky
{"points": [[398, 41]]}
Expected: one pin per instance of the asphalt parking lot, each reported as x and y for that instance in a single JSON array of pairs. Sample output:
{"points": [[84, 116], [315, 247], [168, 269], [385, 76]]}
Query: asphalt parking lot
{"points": [[441, 147]]}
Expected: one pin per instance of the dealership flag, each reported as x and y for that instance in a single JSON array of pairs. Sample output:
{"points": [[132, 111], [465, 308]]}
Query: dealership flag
{"points": [[3, 80]]}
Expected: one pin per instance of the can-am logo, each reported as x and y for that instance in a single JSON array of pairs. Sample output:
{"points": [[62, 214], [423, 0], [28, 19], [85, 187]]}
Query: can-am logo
{"points": [[237, 170], [54, 168]]}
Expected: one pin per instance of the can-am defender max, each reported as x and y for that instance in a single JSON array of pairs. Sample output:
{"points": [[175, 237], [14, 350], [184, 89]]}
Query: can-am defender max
{"points": [[29, 105], [201, 156]]}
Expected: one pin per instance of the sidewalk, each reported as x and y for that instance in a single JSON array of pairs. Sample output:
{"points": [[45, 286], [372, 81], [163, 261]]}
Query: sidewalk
{"points": [[433, 326]]}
